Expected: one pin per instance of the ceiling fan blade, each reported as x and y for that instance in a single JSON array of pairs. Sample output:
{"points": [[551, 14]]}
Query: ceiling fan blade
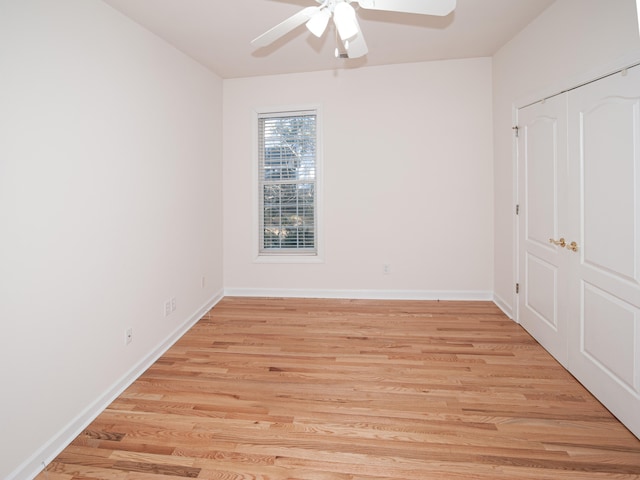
{"points": [[285, 27], [423, 7]]}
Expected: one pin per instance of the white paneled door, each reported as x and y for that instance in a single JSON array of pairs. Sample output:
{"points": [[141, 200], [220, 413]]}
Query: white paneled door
{"points": [[604, 221], [579, 235], [542, 167]]}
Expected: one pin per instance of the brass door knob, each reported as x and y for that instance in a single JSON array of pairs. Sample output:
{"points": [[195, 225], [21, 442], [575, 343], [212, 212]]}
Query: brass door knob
{"points": [[573, 246], [561, 243]]}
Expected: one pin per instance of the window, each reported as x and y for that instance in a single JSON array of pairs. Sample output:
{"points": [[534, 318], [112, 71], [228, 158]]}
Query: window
{"points": [[287, 170]]}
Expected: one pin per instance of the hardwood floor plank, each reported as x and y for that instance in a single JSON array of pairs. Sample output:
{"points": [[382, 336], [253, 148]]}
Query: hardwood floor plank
{"points": [[353, 390]]}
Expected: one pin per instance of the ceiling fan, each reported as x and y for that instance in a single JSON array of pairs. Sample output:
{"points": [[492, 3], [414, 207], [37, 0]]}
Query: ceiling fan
{"points": [[344, 17]]}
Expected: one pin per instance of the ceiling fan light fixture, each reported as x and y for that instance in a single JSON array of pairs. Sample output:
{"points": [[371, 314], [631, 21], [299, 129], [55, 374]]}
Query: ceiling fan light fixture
{"points": [[344, 16], [352, 43], [318, 23]]}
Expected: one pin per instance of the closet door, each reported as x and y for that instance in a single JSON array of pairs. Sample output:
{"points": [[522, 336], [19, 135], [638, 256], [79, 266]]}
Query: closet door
{"points": [[542, 261], [604, 221]]}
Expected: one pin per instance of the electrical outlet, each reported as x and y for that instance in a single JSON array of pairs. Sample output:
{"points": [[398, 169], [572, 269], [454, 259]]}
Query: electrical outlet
{"points": [[173, 304], [167, 308], [386, 268], [203, 281], [128, 336]]}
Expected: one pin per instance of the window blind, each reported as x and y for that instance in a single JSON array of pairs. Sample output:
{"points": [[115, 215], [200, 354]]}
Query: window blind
{"points": [[287, 182]]}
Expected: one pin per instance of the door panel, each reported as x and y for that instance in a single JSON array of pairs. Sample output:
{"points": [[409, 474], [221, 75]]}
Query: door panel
{"points": [[604, 202], [608, 163], [541, 291], [541, 158], [542, 171], [610, 344]]}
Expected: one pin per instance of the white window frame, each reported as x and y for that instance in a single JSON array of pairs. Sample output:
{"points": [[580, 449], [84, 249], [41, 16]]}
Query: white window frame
{"points": [[280, 256]]}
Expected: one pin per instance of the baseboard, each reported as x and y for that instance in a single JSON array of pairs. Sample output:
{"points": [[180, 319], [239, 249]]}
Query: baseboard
{"points": [[45, 455], [468, 295], [504, 306]]}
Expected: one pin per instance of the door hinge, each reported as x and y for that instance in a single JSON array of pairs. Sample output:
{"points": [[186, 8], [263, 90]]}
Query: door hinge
{"points": [[517, 288], [516, 130], [517, 209]]}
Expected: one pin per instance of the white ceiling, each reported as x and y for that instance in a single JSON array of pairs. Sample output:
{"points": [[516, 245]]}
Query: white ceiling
{"points": [[217, 33]]}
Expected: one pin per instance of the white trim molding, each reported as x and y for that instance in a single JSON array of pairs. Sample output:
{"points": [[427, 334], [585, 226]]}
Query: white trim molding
{"points": [[463, 295], [504, 306]]}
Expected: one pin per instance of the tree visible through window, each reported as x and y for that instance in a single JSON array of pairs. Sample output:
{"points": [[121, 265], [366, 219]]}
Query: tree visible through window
{"points": [[287, 182]]}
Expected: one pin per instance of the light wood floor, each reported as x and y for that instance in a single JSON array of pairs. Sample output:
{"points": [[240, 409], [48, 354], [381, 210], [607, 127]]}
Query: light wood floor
{"points": [[335, 390]]}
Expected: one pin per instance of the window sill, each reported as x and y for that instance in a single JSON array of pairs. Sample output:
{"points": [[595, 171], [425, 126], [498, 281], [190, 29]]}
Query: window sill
{"points": [[275, 258]]}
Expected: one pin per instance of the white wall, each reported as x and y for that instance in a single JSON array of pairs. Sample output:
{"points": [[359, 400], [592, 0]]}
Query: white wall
{"points": [[110, 204], [111, 190], [407, 181], [568, 43]]}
